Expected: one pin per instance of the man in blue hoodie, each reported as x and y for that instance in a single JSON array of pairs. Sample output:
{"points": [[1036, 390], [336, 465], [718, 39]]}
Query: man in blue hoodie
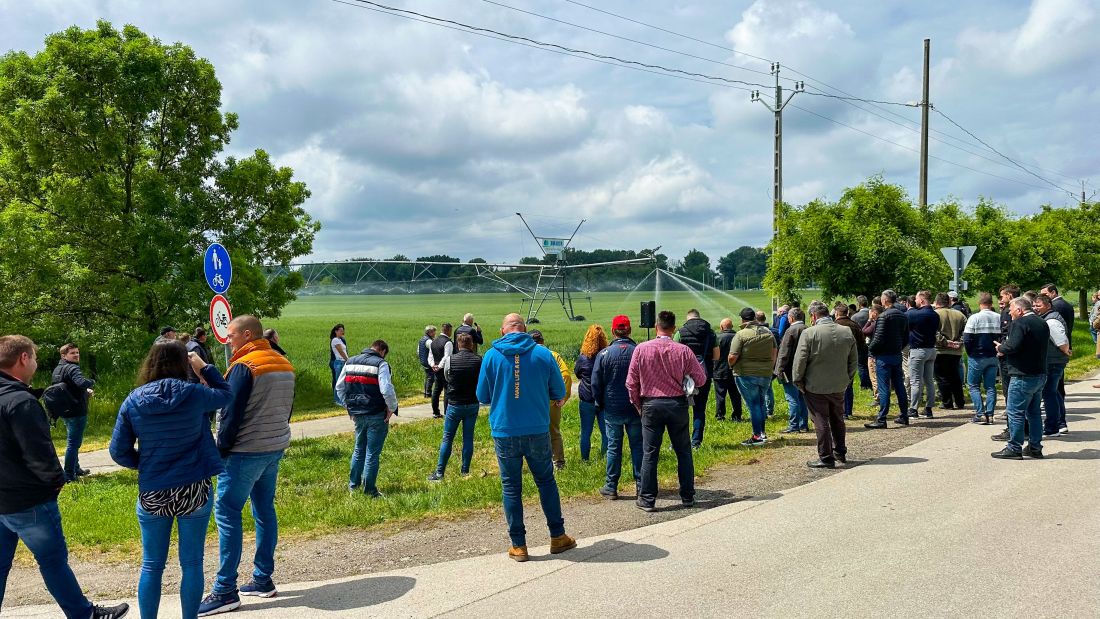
{"points": [[518, 380]]}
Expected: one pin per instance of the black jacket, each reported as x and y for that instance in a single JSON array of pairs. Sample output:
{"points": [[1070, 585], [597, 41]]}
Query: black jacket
{"points": [[924, 324], [462, 369], [891, 333], [473, 331], [30, 473], [697, 335], [78, 385], [1025, 346], [722, 369]]}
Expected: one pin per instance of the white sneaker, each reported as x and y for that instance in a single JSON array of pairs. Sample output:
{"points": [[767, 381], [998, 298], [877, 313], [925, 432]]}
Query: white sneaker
{"points": [[1063, 431]]}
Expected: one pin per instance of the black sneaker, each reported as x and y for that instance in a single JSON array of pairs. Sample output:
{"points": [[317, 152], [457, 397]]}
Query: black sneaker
{"points": [[1033, 453], [218, 603], [821, 464], [644, 507], [610, 493], [927, 412], [754, 441], [875, 425], [83, 472], [110, 612], [435, 476], [688, 503], [841, 458], [1007, 454], [258, 589], [902, 421], [1003, 436]]}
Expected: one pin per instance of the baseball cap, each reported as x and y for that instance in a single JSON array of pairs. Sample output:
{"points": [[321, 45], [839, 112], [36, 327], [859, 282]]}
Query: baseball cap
{"points": [[953, 294], [748, 314], [167, 330], [620, 322]]}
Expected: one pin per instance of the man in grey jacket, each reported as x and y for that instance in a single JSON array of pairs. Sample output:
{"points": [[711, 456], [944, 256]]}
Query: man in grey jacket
{"points": [[796, 403], [824, 365]]}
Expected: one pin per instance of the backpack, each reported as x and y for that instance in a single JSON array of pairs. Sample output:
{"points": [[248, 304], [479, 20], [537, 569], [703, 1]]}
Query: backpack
{"points": [[59, 402]]}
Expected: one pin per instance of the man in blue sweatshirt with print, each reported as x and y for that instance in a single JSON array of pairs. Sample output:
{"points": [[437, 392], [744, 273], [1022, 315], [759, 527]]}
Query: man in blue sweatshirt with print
{"points": [[518, 380]]}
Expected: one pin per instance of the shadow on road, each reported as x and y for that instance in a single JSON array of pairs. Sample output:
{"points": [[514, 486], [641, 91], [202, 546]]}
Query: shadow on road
{"points": [[1075, 437], [610, 551], [349, 595], [1084, 454], [888, 460]]}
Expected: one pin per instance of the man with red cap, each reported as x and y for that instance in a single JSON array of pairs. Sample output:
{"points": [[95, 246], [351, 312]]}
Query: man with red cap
{"points": [[609, 390]]}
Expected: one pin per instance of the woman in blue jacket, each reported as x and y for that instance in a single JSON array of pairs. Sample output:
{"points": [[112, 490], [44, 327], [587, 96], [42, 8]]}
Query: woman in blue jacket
{"points": [[177, 459]]}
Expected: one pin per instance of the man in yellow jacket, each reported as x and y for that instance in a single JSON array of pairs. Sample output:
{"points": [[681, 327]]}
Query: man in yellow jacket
{"points": [[557, 447]]}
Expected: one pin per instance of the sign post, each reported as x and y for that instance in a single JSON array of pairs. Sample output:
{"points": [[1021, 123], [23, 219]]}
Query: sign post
{"points": [[218, 269], [957, 258]]}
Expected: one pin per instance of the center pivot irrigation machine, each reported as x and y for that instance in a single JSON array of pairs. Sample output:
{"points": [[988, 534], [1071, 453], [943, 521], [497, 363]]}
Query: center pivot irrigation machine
{"points": [[536, 283]]}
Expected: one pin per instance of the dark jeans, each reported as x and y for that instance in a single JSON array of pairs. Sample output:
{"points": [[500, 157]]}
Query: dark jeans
{"points": [[247, 477], [74, 433], [337, 366], [429, 381], [658, 415], [39, 528], [849, 399], [1023, 412], [1053, 400], [466, 416], [796, 408], [591, 416], [753, 389], [827, 411], [949, 379], [511, 452], [699, 414], [722, 387], [890, 375], [864, 372], [370, 437], [440, 387], [618, 425]]}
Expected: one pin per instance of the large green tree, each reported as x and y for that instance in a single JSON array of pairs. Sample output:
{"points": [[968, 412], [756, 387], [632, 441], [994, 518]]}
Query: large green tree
{"points": [[745, 264], [112, 183]]}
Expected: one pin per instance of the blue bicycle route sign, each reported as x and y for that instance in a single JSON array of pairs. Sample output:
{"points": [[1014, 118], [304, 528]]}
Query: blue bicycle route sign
{"points": [[218, 268]]}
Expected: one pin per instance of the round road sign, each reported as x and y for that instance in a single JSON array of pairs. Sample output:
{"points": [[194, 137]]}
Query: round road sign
{"points": [[217, 268], [220, 317]]}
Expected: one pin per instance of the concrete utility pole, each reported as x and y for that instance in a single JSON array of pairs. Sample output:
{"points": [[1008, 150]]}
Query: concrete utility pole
{"points": [[777, 172], [924, 129]]}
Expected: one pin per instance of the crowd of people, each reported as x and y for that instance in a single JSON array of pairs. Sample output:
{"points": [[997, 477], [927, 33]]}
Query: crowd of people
{"points": [[632, 393]]}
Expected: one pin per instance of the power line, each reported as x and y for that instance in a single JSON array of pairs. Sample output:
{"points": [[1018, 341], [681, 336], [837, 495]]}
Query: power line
{"points": [[1006, 157], [358, 5]]}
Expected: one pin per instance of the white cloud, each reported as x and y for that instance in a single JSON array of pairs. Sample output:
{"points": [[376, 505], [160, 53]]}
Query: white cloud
{"points": [[1055, 32]]}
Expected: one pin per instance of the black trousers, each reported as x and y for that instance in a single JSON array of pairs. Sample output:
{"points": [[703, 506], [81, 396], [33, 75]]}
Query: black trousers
{"points": [[429, 381], [440, 387], [722, 388], [659, 415], [948, 381], [827, 413]]}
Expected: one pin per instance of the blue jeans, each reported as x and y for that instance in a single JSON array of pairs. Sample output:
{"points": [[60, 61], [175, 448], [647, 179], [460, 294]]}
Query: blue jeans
{"points": [[752, 390], [466, 415], [890, 375], [618, 425], [1053, 400], [370, 436], [511, 452], [246, 476], [40, 530], [156, 535], [849, 400], [337, 366], [1025, 393], [982, 372], [591, 417], [769, 398], [796, 408], [74, 431]]}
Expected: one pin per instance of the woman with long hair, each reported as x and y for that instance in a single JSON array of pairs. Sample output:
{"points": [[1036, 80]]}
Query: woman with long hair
{"points": [[337, 356], [177, 458], [595, 340]]}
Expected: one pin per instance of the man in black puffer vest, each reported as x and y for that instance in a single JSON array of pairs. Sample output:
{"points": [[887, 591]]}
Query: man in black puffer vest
{"points": [[366, 388], [698, 335], [461, 370]]}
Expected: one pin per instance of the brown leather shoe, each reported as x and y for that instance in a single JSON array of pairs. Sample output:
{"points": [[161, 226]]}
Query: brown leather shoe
{"points": [[561, 543], [518, 553]]}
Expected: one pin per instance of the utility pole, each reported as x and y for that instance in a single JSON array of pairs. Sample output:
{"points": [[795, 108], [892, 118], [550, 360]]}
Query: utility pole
{"points": [[924, 129], [777, 172]]}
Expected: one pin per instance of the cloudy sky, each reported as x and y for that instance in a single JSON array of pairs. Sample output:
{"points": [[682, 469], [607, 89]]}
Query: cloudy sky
{"points": [[416, 139]]}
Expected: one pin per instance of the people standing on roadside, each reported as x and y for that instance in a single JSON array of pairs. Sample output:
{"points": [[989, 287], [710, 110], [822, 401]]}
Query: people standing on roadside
{"points": [[197, 344], [166, 334], [440, 348], [30, 480], [924, 324], [1094, 314], [798, 420], [948, 364], [982, 332], [1058, 355], [769, 392], [823, 368], [655, 381], [366, 387], [698, 335], [863, 311], [753, 352], [609, 373], [724, 383], [518, 380], [890, 336], [461, 370], [557, 446], [861, 317], [595, 340], [337, 356], [272, 337], [1007, 294], [471, 328], [958, 304], [1065, 310], [75, 416], [422, 353], [253, 431], [842, 319], [167, 415], [780, 319], [1025, 353]]}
